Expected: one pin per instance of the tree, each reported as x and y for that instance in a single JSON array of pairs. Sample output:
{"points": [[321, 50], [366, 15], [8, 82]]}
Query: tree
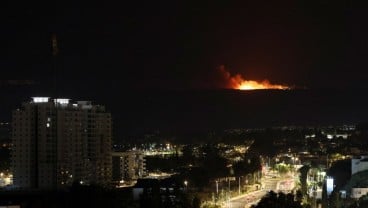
{"points": [[335, 200], [188, 154], [214, 163], [196, 202], [299, 196], [241, 168], [281, 200], [303, 179], [340, 171]]}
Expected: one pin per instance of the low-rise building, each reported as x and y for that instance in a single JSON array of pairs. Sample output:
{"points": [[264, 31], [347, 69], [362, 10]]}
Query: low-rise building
{"points": [[128, 166], [359, 164], [356, 193]]}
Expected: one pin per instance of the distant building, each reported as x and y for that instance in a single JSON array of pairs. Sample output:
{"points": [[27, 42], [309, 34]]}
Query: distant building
{"points": [[153, 187], [57, 142], [356, 193], [4, 133], [359, 164], [129, 165], [5, 147]]}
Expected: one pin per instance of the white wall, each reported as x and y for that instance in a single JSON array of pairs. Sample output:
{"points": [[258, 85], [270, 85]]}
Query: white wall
{"points": [[356, 193], [357, 165]]}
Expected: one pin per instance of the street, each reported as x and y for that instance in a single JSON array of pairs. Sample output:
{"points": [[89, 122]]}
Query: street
{"points": [[274, 184]]}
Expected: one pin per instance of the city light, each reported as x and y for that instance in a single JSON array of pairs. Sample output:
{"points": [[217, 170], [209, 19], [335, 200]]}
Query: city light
{"points": [[186, 185], [40, 99], [61, 101]]}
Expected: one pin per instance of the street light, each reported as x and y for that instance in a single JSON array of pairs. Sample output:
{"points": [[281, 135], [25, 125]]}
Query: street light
{"points": [[186, 185]]}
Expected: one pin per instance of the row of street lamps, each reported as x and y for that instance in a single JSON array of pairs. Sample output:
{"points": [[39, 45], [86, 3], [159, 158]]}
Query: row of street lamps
{"points": [[229, 182]]}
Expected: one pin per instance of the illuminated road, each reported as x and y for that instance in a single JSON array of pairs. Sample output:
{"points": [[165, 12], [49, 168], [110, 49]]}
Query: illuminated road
{"points": [[274, 184]]}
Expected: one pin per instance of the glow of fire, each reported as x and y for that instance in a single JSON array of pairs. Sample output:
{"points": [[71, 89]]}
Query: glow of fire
{"points": [[237, 82], [254, 85]]}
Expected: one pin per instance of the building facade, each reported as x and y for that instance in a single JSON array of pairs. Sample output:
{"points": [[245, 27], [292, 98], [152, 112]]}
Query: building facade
{"points": [[57, 143], [359, 164], [356, 193], [129, 165]]}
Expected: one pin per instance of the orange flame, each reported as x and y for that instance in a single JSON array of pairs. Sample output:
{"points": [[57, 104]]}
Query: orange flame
{"points": [[253, 85], [237, 82]]}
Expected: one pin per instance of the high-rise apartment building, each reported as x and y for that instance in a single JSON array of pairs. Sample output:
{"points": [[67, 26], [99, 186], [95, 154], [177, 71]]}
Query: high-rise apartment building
{"points": [[57, 143]]}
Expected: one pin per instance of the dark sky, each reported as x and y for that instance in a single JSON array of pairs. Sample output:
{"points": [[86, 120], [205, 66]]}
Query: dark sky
{"points": [[178, 44], [107, 51]]}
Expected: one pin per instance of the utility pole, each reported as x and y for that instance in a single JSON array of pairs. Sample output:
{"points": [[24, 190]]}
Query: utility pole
{"points": [[327, 161], [239, 185], [229, 184]]}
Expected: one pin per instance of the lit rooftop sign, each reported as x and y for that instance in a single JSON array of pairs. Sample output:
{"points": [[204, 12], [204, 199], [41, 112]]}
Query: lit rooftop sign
{"points": [[40, 99]]}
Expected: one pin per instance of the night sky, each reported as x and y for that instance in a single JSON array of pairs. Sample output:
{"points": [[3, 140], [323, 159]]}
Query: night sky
{"points": [[168, 44], [106, 49]]}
